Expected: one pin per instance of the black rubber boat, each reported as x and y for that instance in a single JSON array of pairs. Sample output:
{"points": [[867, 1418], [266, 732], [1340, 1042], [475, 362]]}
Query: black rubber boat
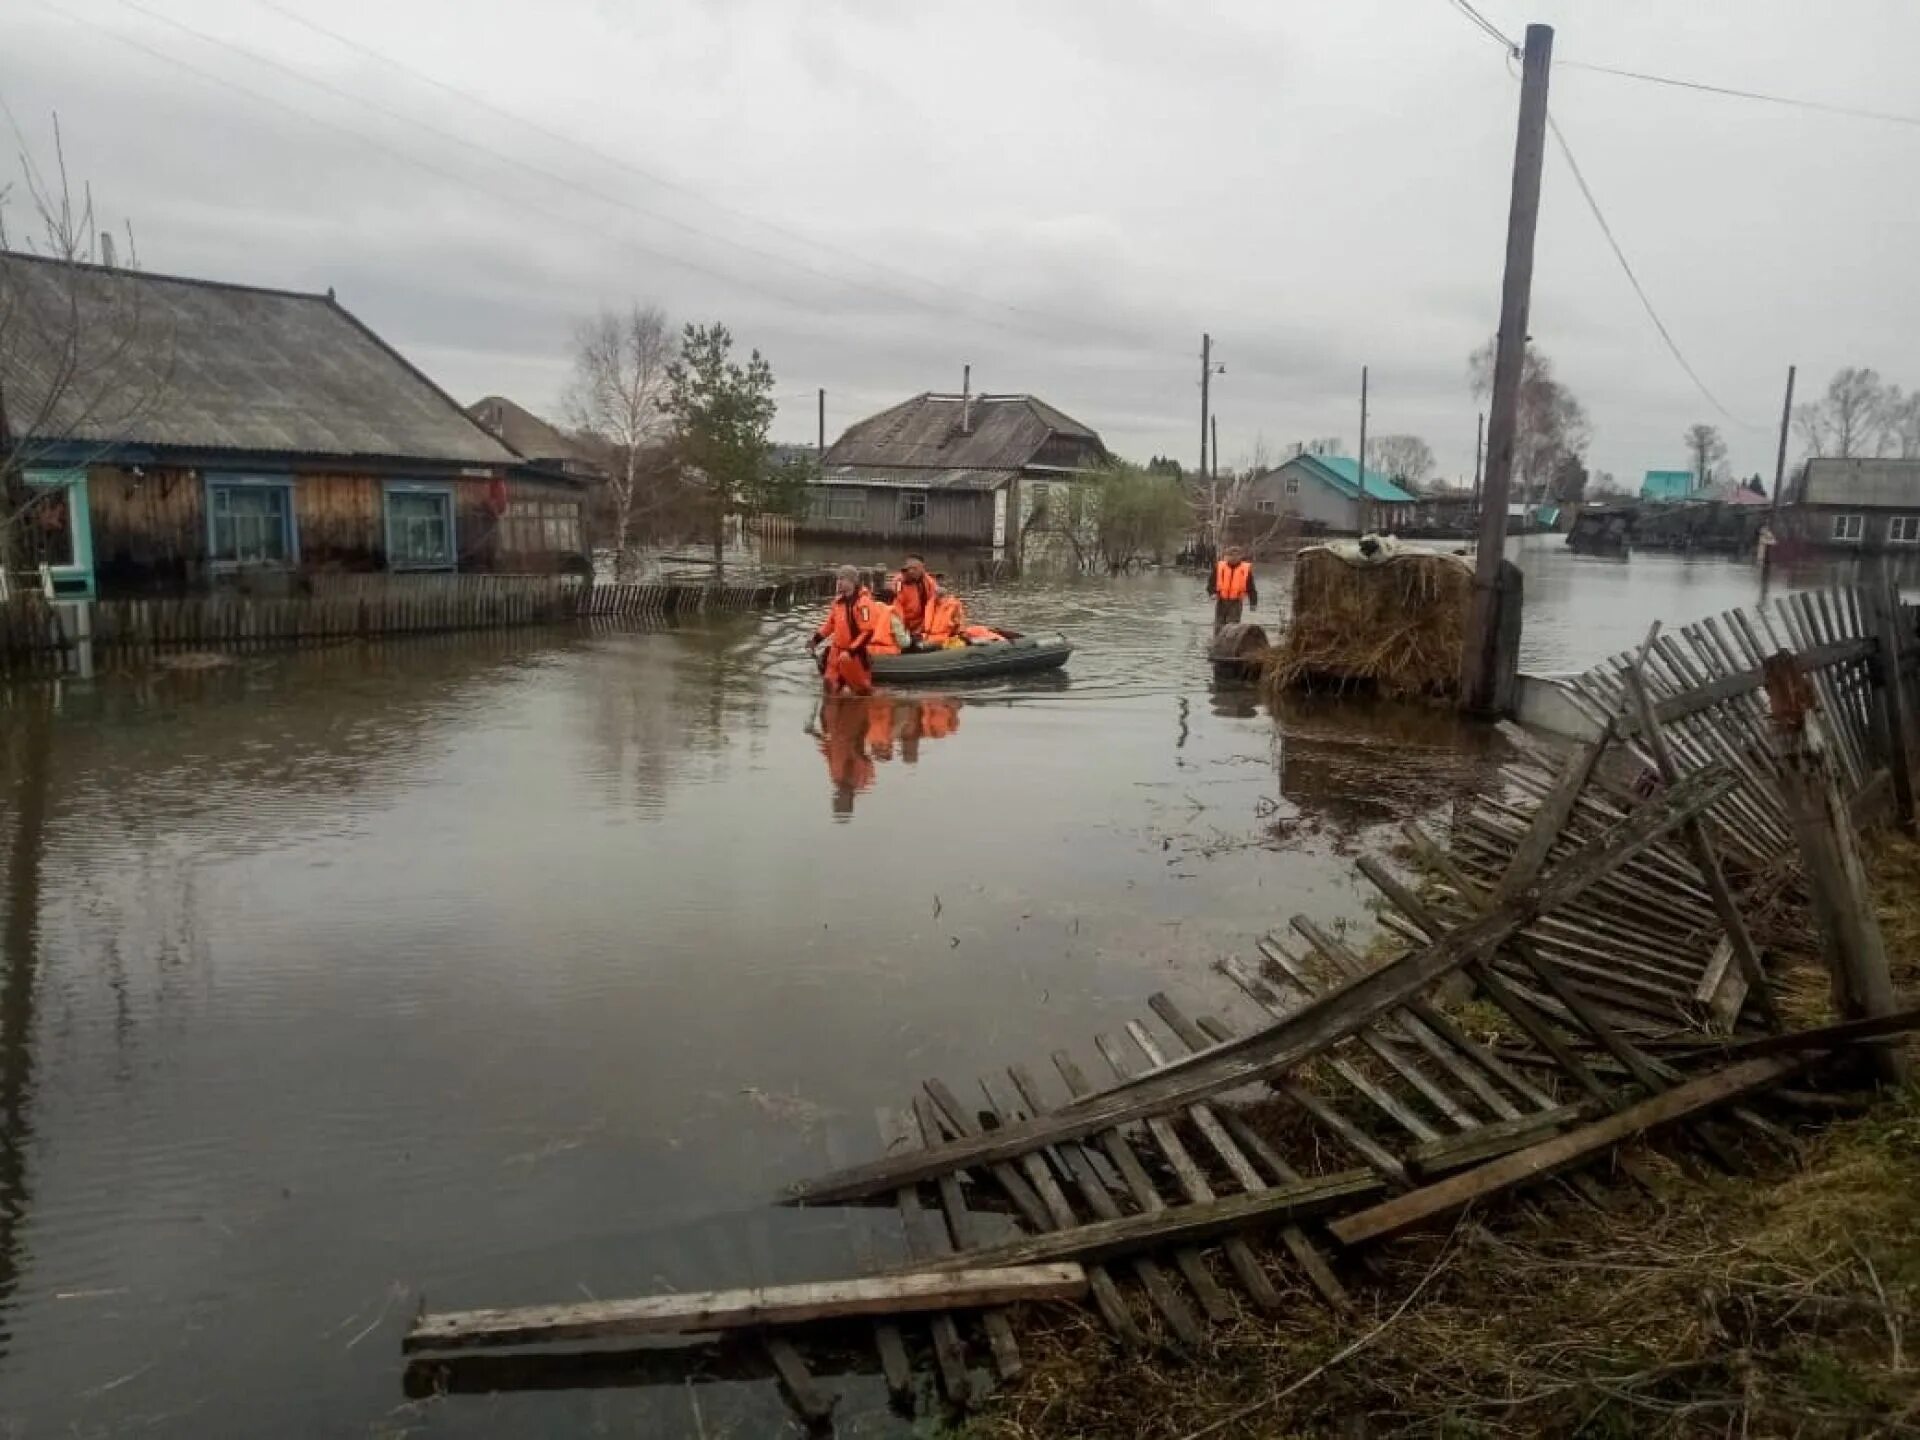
{"points": [[1017, 655]]}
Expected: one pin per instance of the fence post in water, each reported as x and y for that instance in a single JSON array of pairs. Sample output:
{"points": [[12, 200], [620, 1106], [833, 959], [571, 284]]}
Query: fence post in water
{"points": [[1829, 854]]}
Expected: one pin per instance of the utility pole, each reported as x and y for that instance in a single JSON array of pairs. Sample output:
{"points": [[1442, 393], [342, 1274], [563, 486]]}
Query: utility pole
{"points": [[1479, 449], [1480, 670], [1206, 386], [820, 442], [1213, 476], [1363, 449], [1780, 460]]}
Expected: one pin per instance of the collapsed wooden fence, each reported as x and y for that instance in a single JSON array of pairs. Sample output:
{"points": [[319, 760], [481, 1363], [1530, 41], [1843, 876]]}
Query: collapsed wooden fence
{"points": [[42, 638], [1599, 906]]}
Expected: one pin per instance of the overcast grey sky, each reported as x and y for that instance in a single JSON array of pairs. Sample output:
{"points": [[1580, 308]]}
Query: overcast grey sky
{"points": [[1064, 193]]}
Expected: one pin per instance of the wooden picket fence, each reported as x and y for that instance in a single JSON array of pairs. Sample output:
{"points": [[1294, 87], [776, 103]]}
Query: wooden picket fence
{"points": [[42, 638]]}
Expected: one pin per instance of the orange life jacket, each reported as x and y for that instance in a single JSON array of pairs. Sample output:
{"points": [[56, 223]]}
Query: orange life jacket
{"points": [[980, 635], [880, 639], [1230, 580], [946, 618], [848, 618], [913, 599]]}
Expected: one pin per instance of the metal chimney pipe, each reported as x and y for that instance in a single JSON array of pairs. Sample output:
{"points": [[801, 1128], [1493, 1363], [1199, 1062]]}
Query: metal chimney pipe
{"points": [[966, 400]]}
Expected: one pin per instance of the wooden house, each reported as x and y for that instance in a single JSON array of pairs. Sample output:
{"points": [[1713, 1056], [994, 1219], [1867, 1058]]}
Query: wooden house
{"points": [[950, 470], [212, 436], [1330, 494], [1859, 505]]}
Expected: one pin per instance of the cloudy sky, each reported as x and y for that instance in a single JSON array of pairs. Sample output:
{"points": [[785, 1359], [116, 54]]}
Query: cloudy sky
{"points": [[1064, 193]]}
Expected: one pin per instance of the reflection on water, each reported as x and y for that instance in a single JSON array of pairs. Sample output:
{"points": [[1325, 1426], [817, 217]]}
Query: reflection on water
{"points": [[857, 734], [510, 968]]}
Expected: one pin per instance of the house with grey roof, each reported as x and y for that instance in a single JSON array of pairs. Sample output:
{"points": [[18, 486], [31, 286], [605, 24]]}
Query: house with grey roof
{"points": [[1869, 505], [183, 435], [1325, 493], [944, 469]]}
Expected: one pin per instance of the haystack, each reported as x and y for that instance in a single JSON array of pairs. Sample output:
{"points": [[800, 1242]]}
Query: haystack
{"points": [[1376, 615]]}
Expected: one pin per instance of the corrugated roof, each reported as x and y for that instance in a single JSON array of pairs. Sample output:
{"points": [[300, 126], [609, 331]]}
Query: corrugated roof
{"points": [[1006, 433], [520, 430], [211, 366], [1870, 484], [894, 478], [1344, 474]]}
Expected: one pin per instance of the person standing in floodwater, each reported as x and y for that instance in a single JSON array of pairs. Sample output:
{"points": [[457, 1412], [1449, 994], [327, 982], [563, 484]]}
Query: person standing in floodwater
{"points": [[1231, 584]]}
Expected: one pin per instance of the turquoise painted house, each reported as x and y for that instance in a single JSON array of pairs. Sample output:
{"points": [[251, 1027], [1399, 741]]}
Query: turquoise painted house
{"points": [[1667, 485], [1325, 491]]}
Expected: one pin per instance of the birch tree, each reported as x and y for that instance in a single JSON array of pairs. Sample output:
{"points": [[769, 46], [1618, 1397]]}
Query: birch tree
{"points": [[618, 394]]}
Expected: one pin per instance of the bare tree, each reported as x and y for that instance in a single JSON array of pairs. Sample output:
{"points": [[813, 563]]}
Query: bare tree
{"points": [[1708, 452], [1850, 419], [1901, 416], [1405, 458], [1551, 423], [81, 362], [1220, 499], [618, 395]]}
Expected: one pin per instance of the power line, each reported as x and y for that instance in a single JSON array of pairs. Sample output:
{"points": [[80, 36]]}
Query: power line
{"points": [[1633, 279], [652, 177], [1849, 111], [1485, 26]]}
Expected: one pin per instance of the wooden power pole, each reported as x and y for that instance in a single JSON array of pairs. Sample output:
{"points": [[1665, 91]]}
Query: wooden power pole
{"points": [[1481, 679], [1780, 460], [1206, 384], [1363, 449], [1479, 450], [820, 440]]}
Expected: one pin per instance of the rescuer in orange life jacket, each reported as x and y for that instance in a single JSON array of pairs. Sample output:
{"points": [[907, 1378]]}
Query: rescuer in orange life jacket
{"points": [[1230, 584], [914, 591], [857, 627]]}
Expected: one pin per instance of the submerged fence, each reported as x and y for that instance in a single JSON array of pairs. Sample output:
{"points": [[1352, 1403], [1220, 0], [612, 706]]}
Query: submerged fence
{"points": [[38, 637]]}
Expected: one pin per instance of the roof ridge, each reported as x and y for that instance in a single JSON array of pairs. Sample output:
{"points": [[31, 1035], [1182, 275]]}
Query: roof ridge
{"points": [[136, 273], [420, 375]]}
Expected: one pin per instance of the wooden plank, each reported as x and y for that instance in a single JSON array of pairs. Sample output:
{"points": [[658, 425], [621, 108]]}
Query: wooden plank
{"points": [[1178, 1224], [955, 1286], [1093, 1190], [1401, 1212], [1190, 1262], [1732, 923], [814, 1405], [1548, 821], [888, 1343], [947, 1105], [1195, 1185], [1304, 1251], [1303, 1034], [1060, 1216], [949, 1352]]}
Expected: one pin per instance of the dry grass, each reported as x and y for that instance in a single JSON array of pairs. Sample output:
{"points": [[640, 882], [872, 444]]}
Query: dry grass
{"points": [[1395, 628], [1780, 1301]]}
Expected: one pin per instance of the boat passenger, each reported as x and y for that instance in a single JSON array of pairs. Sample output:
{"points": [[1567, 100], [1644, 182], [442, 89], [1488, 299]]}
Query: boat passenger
{"points": [[913, 594], [945, 622]]}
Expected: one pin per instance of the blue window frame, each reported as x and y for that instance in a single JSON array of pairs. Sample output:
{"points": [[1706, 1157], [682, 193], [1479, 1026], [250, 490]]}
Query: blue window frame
{"points": [[419, 520], [250, 521], [59, 530]]}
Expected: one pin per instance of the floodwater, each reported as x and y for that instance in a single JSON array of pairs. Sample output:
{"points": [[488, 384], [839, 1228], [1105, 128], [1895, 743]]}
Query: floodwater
{"points": [[524, 967]]}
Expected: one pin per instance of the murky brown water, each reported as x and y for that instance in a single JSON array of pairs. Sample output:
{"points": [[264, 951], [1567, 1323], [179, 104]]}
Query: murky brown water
{"points": [[523, 967]]}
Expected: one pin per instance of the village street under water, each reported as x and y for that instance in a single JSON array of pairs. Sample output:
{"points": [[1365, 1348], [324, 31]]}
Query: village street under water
{"points": [[525, 966]]}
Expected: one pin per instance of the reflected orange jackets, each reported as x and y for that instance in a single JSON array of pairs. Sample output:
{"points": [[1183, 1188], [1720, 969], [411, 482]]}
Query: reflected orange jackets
{"points": [[912, 598], [939, 719], [1230, 581], [945, 619]]}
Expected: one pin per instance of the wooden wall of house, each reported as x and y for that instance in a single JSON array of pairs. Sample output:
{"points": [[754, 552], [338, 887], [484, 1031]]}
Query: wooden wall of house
{"points": [[954, 517], [150, 527]]}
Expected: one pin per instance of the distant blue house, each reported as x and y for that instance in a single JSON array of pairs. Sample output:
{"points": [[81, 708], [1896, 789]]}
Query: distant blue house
{"points": [[1667, 485], [1325, 490]]}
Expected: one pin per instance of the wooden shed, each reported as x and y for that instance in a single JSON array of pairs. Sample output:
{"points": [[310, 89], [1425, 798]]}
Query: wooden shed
{"points": [[215, 435]]}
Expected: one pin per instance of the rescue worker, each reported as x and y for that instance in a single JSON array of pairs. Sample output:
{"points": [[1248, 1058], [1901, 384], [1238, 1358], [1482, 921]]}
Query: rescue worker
{"points": [[913, 593], [945, 620], [857, 627], [1230, 584]]}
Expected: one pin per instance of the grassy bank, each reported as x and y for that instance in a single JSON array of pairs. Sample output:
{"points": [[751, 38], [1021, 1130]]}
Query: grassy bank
{"points": [[1781, 1300]]}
